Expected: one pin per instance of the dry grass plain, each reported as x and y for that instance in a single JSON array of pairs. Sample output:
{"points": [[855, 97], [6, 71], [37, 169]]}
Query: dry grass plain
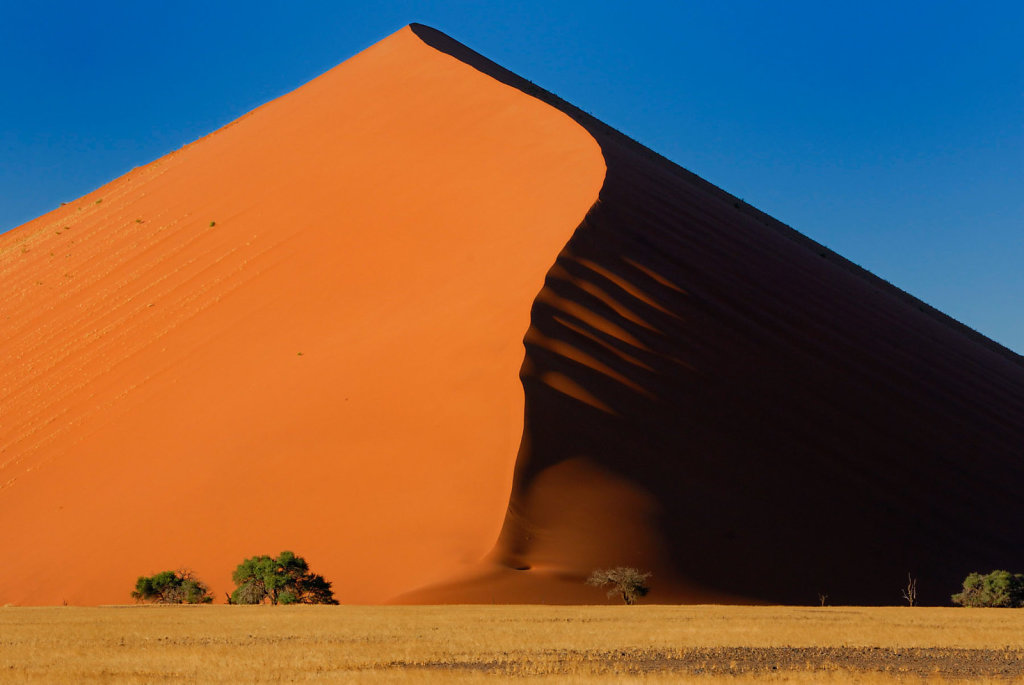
{"points": [[657, 644]]}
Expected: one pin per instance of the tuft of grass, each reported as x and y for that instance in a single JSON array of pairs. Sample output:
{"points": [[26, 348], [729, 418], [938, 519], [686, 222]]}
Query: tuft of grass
{"points": [[212, 224], [138, 221], [300, 354], [99, 200]]}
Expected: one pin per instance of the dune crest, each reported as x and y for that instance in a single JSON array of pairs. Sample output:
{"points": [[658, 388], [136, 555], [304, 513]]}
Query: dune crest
{"points": [[299, 332]]}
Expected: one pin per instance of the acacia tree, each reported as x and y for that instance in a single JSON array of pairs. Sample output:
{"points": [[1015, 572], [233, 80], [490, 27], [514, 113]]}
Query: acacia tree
{"points": [[284, 580], [995, 589], [172, 587], [630, 583]]}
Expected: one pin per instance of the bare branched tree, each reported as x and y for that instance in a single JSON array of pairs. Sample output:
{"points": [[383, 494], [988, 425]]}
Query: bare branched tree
{"points": [[822, 598], [630, 583], [910, 591]]}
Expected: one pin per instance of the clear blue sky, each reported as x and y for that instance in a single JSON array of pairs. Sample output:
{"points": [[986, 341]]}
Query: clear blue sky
{"points": [[893, 132]]}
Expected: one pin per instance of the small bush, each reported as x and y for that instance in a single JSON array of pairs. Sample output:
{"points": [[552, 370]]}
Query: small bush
{"points": [[284, 580], [996, 589], [172, 587], [630, 583]]}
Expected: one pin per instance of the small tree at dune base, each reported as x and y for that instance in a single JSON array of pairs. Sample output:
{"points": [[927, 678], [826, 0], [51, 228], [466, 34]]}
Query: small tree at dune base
{"points": [[996, 589], [284, 580], [629, 583], [172, 587]]}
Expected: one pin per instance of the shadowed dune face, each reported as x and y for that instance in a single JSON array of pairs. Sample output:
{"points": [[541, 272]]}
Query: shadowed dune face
{"points": [[717, 399], [792, 429], [301, 332]]}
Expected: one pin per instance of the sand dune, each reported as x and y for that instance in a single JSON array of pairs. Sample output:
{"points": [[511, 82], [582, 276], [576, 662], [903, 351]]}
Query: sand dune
{"points": [[300, 332], [303, 331]]}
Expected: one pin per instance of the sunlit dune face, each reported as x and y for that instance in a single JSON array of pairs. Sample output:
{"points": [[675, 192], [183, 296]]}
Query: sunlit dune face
{"points": [[302, 332]]}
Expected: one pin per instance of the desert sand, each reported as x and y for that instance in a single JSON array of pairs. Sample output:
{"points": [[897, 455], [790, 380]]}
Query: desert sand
{"points": [[304, 331]]}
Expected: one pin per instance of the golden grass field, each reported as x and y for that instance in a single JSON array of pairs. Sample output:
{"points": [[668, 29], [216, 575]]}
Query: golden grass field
{"points": [[657, 644]]}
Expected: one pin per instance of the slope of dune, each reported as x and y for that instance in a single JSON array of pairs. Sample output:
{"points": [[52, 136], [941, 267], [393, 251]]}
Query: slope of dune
{"points": [[300, 332], [716, 398]]}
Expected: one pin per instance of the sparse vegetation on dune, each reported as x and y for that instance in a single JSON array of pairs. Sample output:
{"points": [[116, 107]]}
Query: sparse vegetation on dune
{"points": [[626, 582], [284, 580], [659, 644], [172, 587]]}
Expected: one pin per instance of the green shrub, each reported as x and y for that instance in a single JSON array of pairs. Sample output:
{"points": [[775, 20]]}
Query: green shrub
{"points": [[284, 580], [997, 589], [172, 587], [630, 583]]}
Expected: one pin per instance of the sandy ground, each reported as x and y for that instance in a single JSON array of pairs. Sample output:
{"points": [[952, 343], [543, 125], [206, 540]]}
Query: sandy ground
{"points": [[474, 643]]}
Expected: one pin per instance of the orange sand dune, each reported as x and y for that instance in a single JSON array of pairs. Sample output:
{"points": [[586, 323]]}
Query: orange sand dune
{"points": [[709, 395], [300, 332]]}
